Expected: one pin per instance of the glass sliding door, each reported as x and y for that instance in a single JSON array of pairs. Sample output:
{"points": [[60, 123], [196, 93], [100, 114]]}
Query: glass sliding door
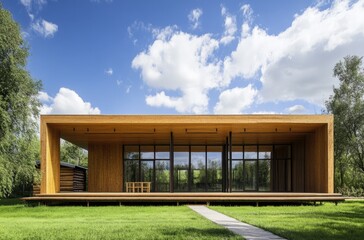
{"points": [[250, 167], [146, 172], [181, 168], [198, 169], [237, 183], [162, 168], [264, 166], [250, 175], [131, 164], [214, 169]]}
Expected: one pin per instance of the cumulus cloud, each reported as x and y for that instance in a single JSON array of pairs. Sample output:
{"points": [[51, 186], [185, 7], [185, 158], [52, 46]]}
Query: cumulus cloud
{"points": [[45, 28], [235, 100], [194, 17], [295, 109], [66, 101], [297, 63], [230, 27], [184, 64]]}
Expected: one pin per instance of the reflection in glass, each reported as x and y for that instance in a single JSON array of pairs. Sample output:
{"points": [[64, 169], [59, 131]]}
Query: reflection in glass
{"points": [[237, 176], [214, 171], [250, 175], [162, 152], [198, 171], [146, 168], [181, 162], [264, 175], [237, 152], [131, 171], [162, 176], [250, 152], [147, 152]]}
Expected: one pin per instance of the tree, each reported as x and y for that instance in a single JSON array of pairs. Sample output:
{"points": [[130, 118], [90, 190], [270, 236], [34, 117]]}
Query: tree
{"points": [[73, 154], [347, 105], [19, 107]]}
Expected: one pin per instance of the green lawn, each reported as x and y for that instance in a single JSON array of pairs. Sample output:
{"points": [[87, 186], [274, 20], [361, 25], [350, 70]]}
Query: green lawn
{"points": [[110, 222], [345, 221]]}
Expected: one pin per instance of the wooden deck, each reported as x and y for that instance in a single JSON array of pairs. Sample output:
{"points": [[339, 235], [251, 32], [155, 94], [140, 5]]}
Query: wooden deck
{"points": [[185, 197]]}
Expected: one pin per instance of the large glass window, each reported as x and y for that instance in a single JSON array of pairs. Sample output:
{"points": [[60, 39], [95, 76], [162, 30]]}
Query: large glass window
{"points": [[181, 168], [214, 169], [237, 173], [198, 169], [162, 168], [264, 173]]}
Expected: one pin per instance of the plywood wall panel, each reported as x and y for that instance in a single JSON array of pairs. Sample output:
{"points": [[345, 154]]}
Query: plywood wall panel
{"points": [[104, 167], [298, 167], [50, 159]]}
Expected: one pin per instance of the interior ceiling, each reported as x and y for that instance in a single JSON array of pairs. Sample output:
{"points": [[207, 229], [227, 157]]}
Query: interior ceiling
{"points": [[82, 134]]}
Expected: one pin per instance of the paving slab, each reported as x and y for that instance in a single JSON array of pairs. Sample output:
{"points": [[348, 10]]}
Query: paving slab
{"points": [[247, 231]]}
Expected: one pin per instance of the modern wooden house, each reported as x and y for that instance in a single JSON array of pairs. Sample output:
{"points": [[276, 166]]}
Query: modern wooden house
{"points": [[72, 178], [193, 157]]}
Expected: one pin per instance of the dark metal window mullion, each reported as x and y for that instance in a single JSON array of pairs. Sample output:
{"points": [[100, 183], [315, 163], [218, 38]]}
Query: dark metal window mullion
{"points": [[244, 169], [206, 189], [230, 158], [154, 182], [189, 169], [139, 166], [257, 171]]}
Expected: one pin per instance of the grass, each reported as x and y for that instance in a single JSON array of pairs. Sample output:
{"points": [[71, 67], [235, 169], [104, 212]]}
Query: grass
{"points": [[107, 222], [344, 221]]}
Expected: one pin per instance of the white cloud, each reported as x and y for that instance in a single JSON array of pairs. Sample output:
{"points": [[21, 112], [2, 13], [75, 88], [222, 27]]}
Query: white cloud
{"points": [[44, 28], [230, 27], [119, 82], [182, 63], [109, 71], [265, 112], [247, 13], [295, 109], [29, 4], [44, 97], [26, 3], [235, 100], [194, 17], [294, 64], [66, 101], [297, 63]]}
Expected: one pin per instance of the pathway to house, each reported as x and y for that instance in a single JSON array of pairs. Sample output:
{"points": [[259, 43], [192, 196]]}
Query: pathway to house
{"points": [[246, 230]]}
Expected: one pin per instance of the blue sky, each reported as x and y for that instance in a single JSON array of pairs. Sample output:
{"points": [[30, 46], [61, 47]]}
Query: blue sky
{"points": [[187, 57]]}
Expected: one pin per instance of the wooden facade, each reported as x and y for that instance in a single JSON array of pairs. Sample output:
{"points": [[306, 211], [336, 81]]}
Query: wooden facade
{"points": [[72, 178], [310, 138]]}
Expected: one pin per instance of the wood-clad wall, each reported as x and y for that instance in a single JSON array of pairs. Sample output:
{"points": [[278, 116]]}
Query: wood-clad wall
{"points": [[319, 160], [50, 159], [298, 167], [105, 168]]}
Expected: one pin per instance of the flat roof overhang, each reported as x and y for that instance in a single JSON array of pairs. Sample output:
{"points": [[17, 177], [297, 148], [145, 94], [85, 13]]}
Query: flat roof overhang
{"points": [[187, 129]]}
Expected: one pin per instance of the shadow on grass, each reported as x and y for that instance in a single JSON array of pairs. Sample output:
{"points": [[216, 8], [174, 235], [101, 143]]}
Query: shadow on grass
{"points": [[10, 201], [207, 233]]}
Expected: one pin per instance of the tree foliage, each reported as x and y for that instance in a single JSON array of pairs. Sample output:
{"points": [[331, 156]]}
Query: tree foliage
{"points": [[73, 154], [19, 107], [347, 105]]}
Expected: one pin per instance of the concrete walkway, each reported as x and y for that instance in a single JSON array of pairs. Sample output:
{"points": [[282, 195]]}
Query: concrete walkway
{"points": [[246, 230]]}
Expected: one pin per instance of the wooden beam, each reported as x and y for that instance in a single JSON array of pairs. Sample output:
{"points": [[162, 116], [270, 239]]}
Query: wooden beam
{"points": [[50, 159]]}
